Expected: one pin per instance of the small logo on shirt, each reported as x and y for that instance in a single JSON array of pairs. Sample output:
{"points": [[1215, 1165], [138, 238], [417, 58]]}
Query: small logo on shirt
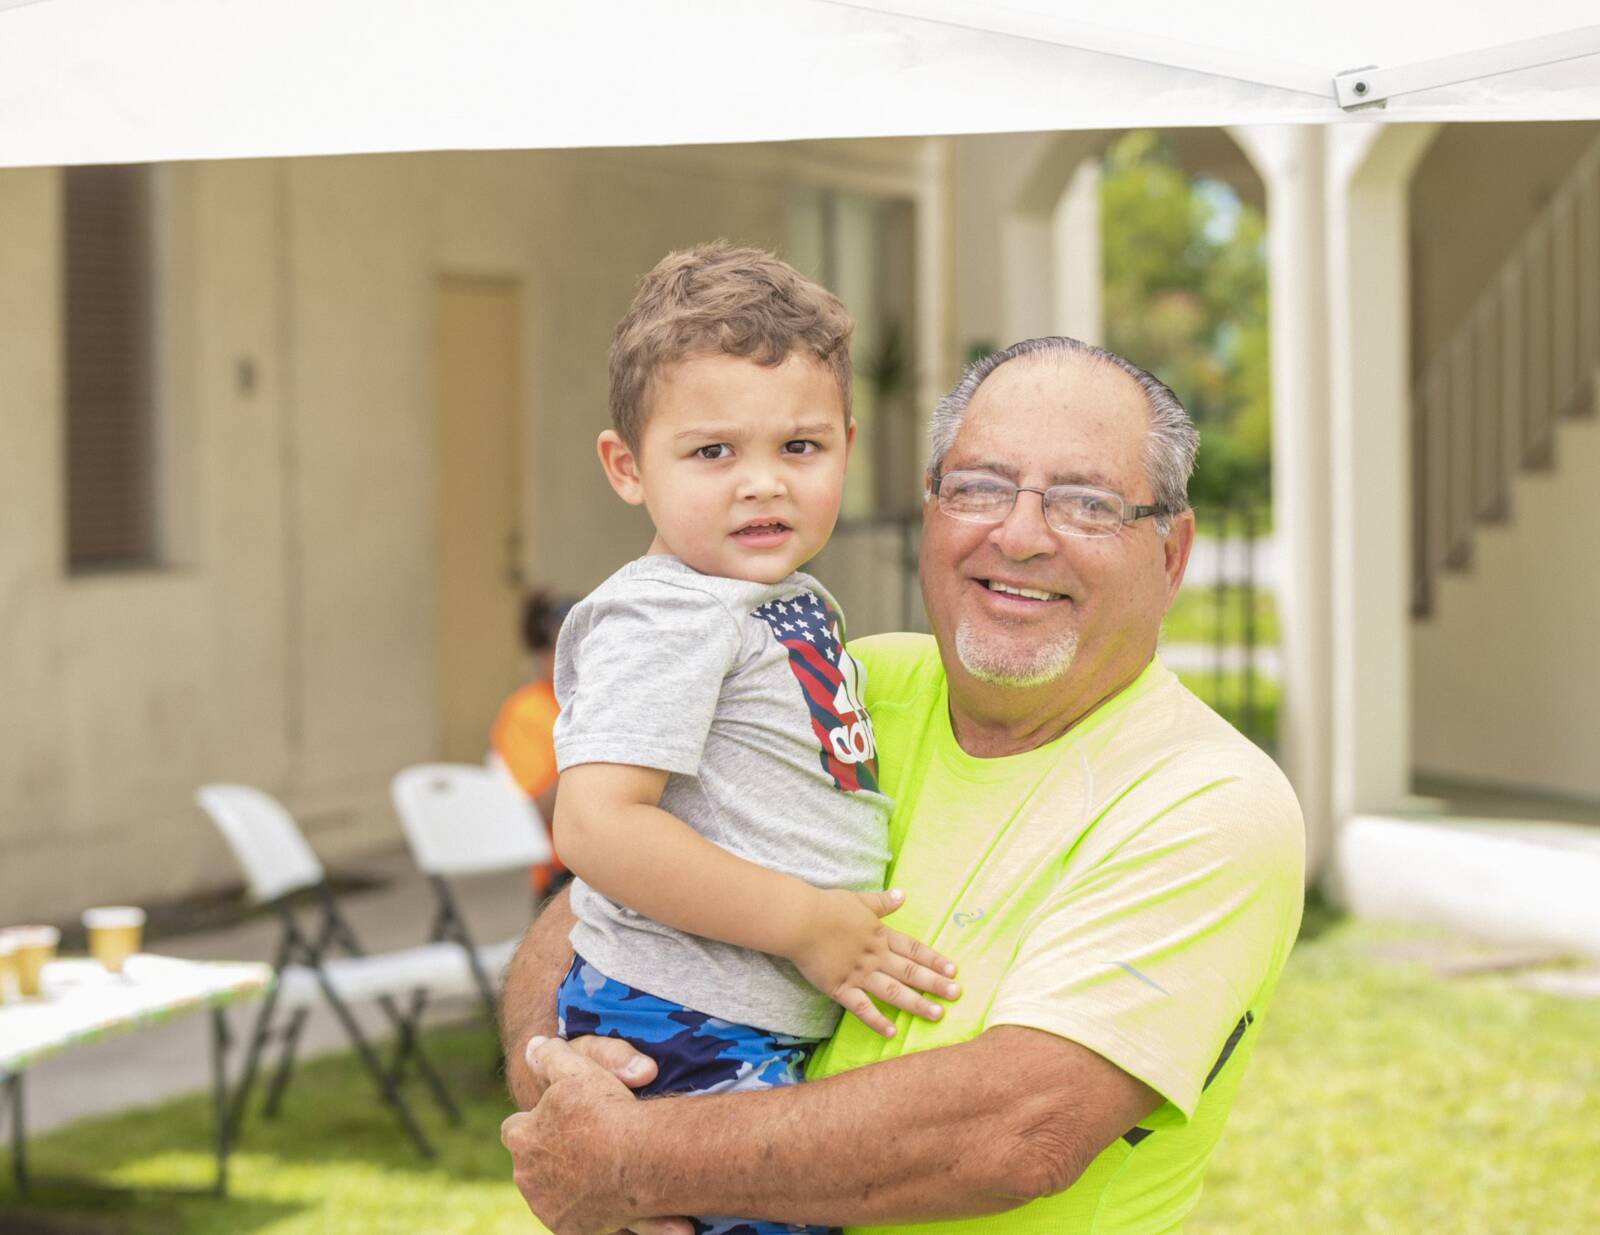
{"points": [[963, 918], [1145, 978]]}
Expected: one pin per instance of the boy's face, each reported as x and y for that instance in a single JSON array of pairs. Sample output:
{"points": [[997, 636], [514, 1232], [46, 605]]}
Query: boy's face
{"points": [[741, 464]]}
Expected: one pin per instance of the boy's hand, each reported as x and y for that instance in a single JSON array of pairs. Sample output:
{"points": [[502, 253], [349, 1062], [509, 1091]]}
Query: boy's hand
{"points": [[851, 956]]}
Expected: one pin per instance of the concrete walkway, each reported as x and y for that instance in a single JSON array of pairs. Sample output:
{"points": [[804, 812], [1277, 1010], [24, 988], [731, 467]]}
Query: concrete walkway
{"points": [[148, 1066]]}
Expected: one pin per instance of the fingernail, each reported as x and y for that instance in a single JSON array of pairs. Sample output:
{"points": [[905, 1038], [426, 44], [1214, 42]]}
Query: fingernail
{"points": [[534, 1043], [637, 1066], [935, 1011], [954, 991], [950, 969], [895, 894]]}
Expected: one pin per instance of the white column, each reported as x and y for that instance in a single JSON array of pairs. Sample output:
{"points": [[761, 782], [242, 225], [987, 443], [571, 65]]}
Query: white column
{"points": [[1027, 270], [1368, 174], [1079, 274], [938, 363], [1044, 270], [1289, 160]]}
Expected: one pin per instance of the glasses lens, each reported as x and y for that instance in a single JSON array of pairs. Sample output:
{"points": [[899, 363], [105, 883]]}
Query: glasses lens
{"points": [[975, 496], [1083, 512]]}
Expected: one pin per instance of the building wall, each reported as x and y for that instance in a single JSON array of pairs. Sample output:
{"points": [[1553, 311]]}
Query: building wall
{"points": [[290, 644], [1507, 673]]}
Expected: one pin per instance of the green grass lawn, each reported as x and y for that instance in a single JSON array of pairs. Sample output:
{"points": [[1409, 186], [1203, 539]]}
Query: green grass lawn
{"points": [[1193, 616], [1380, 1099], [335, 1162]]}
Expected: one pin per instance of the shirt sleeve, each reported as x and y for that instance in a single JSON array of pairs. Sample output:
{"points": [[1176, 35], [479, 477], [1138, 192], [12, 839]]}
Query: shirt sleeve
{"points": [[642, 684], [1154, 954]]}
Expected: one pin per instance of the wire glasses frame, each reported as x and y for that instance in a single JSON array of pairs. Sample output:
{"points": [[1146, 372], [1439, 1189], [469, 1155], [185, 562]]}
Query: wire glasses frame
{"points": [[1073, 510]]}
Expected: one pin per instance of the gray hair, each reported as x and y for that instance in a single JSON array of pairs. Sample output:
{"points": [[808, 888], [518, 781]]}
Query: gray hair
{"points": [[1170, 446]]}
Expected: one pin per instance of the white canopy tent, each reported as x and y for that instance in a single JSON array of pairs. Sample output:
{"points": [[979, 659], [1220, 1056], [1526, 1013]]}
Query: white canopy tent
{"points": [[143, 80]]}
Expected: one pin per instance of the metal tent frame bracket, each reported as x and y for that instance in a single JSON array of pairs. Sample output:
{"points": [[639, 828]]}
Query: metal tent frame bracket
{"points": [[1358, 89]]}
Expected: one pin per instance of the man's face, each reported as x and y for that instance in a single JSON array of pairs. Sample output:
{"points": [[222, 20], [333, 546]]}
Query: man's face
{"points": [[1042, 421], [741, 465]]}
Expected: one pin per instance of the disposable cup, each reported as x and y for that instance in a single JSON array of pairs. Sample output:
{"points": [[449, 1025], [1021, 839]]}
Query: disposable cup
{"points": [[35, 945], [114, 933], [8, 968]]}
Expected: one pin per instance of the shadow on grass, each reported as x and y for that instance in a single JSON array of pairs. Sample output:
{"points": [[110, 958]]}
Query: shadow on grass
{"points": [[332, 1132], [111, 1214]]}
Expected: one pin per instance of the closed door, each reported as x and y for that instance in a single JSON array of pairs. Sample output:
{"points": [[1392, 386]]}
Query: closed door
{"points": [[476, 513]]}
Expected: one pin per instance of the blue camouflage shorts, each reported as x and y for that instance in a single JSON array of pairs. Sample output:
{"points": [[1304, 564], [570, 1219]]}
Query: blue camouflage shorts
{"points": [[694, 1053]]}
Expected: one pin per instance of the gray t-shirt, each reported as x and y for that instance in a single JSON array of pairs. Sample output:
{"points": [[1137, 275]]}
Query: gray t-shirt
{"points": [[744, 694]]}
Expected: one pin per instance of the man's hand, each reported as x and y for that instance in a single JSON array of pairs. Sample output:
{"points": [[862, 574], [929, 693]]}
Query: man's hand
{"points": [[849, 955], [564, 1150], [633, 1068]]}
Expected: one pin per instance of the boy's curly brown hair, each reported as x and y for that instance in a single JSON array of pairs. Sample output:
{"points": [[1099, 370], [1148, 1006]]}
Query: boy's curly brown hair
{"points": [[728, 299]]}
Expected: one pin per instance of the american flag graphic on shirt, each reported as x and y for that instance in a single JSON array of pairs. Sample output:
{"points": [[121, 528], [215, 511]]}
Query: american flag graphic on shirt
{"points": [[830, 680]]}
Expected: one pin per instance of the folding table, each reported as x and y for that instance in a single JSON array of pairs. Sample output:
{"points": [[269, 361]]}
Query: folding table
{"points": [[81, 1002]]}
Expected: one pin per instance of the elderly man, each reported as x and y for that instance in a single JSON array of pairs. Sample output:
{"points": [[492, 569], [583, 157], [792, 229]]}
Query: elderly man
{"points": [[1118, 872]]}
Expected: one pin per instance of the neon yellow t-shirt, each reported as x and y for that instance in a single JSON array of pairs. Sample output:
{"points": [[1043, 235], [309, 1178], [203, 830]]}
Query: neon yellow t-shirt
{"points": [[1134, 886]]}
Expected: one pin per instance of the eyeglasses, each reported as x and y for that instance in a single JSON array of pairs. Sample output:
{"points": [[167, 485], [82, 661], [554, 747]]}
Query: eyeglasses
{"points": [[1073, 510]]}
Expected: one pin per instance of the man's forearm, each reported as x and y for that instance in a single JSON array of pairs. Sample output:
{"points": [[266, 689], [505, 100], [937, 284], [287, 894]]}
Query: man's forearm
{"points": [[962, 1131], [528, 994]]}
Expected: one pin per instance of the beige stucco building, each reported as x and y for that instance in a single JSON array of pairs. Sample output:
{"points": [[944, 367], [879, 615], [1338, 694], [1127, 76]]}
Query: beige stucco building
{"points": [[377, 380]]}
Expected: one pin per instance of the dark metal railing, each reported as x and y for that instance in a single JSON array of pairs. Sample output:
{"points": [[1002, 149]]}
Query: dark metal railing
{"points": [[1227, 572]]}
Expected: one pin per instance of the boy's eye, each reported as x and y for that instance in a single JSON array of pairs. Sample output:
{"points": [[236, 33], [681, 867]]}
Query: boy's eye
{"points": [[719, 451], [800, 446]]}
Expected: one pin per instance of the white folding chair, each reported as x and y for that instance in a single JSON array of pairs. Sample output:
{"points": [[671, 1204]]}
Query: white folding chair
{"points": [[284, 874], [465, 819], [499, 769]]}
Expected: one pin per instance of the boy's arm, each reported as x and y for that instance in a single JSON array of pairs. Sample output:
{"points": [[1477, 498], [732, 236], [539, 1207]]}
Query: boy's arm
{"points": [[610, 831]]}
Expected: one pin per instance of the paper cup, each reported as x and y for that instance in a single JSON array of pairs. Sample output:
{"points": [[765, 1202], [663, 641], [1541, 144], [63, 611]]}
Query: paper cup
{"points": [[35, 945], [8, 968], [114, 933]]}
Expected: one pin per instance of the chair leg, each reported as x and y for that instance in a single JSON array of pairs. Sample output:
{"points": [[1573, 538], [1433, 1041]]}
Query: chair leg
{"points": [[486, 989], [452, 926], [280, 1079], [385, 1081], [260, 1035], [403, 1041], [409, 1045]]}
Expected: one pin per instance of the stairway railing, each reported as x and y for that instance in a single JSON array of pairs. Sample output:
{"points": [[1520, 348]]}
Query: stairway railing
{"points": [[1487, 404]]}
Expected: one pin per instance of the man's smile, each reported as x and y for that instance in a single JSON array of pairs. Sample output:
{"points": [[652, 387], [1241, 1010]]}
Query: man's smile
{"points": [[1018, 593]]}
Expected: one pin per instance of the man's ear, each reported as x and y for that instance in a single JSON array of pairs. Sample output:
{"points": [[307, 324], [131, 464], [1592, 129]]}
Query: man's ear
{"points": [[621, 467], [1176, 545]]}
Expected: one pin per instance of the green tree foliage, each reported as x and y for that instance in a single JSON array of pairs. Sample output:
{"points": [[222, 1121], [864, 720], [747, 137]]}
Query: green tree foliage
{"points": [[1186, 298]]}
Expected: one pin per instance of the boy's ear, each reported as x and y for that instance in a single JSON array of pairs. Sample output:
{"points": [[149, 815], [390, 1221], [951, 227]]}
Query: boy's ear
{"points": [[621, 467], [849, 433]]}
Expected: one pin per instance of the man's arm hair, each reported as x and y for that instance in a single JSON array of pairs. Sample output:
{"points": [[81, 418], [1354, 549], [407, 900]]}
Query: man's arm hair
{"points": [[528, 992], [958, 1131]]}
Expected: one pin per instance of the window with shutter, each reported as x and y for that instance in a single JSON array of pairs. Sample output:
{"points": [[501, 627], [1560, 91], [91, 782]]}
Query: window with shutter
{"points": [[109, 352]]}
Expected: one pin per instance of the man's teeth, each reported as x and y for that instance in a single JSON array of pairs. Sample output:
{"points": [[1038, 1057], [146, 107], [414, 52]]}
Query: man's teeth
{"points": [[1030, 592]]}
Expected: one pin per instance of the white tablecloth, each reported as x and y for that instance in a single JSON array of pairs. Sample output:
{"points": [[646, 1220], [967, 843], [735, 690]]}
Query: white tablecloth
{"points": [[81, 1001]]}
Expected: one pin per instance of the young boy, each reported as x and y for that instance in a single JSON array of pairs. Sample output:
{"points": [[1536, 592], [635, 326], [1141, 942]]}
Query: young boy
{"points": [[719, 800]]}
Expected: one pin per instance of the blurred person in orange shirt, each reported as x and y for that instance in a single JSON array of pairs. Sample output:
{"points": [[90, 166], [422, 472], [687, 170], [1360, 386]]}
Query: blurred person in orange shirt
{"points": [[522, 734]]}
